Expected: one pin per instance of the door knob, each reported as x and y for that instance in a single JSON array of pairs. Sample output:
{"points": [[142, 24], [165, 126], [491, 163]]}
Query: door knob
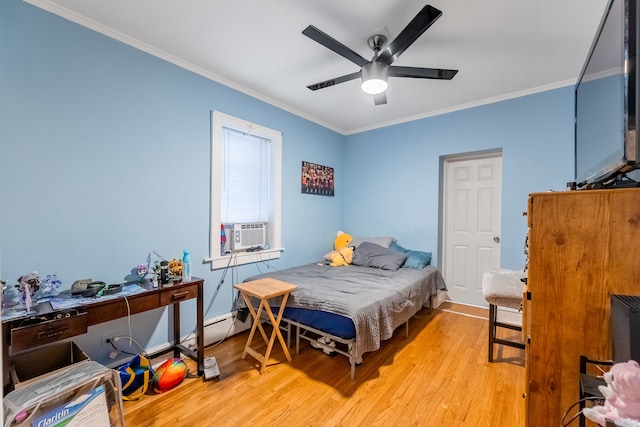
{"points": [[496, 239]]}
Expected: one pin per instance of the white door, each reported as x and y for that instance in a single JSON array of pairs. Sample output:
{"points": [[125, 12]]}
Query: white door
{"points": [[471, 224]]}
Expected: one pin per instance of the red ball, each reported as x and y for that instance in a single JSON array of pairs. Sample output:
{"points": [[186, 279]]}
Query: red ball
{"points": [[168, 375]]}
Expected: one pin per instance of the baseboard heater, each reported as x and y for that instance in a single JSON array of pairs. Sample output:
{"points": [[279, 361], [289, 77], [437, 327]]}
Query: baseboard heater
{"points": [[217, 328]]}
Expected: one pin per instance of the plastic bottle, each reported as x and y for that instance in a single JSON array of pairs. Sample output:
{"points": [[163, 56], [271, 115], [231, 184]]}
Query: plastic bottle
{"points": [[186, 266]]}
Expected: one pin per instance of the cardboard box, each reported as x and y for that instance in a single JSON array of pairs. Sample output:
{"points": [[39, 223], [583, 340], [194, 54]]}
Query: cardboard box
{"points": [[29, 366]]}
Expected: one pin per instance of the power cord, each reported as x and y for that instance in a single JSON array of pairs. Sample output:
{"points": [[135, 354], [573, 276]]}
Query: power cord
{"points": [[267, 263], [116, 350], [213, 298], [573, 405]]}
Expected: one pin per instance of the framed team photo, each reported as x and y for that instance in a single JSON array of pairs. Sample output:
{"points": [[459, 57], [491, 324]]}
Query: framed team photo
{"points": [[317, 179]]}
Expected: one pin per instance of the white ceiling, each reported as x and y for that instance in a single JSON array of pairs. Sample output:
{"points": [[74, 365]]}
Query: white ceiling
{"points": [[502, 49]]}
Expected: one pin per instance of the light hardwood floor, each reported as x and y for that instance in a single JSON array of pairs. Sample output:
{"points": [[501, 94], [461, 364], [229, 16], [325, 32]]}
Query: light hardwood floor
{"points": [[438, 376]]}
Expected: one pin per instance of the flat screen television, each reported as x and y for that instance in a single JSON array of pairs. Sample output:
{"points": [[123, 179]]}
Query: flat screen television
{"points": [[606, 138]]}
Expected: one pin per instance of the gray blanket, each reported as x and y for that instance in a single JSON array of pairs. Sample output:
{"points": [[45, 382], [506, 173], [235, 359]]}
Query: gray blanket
{"points": [[377, 301]]}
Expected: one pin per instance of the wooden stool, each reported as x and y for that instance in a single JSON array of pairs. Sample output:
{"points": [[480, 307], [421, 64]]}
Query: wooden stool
{"points": [[265, 289]]}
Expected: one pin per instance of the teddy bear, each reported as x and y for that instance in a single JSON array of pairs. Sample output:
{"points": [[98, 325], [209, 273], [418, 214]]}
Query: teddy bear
{"points": [[622, 396], [342, 253], [342, 256]]}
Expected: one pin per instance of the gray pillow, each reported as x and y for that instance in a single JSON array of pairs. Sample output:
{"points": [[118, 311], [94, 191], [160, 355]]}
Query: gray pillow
{"points": [[380, 240], [369, 254]]}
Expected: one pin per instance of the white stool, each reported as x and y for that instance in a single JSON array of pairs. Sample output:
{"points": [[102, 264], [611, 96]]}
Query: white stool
{"points": [[502, 288]]}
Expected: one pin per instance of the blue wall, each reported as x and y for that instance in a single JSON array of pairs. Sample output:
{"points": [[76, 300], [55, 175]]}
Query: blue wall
{"points": [[105, 157], [393, 172]]}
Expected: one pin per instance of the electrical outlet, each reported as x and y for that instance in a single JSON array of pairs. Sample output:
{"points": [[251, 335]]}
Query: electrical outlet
{"points": [[105, 342]]}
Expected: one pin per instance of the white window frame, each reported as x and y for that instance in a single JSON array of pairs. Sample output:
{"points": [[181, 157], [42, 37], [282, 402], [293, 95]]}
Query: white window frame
{"points": [[219, 121]]}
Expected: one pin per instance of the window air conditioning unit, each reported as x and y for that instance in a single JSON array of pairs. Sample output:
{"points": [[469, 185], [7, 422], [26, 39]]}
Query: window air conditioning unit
{"points": [[246, 236]]}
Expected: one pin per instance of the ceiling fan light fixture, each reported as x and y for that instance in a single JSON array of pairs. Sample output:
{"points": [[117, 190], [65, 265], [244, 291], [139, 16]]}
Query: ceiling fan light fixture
{"points": [[374, 78]]}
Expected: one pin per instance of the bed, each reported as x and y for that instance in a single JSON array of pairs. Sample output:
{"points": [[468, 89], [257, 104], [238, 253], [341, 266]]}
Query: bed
{"points": [[351, 309]]}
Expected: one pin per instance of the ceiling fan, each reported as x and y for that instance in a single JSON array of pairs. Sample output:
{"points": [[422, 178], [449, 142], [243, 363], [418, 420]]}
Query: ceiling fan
{"points": [[374, 73]]}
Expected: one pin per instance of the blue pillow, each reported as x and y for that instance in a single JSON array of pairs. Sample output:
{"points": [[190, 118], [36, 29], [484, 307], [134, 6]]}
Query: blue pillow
{"points": [[396, 247], [417, 259]]}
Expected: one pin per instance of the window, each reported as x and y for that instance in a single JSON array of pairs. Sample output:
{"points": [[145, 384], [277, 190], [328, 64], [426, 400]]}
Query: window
{"points": [[245, 185]]}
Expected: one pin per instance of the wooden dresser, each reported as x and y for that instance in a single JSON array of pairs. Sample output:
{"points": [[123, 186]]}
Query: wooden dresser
{"points": [[583, 246]]}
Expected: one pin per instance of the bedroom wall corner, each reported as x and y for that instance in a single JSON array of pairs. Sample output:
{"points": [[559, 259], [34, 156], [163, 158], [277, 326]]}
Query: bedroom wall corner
{"points": [[535, 133]]}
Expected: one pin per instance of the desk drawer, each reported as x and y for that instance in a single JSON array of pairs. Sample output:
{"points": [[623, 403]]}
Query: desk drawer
{"points": [[105, 311], [37, 334], [180, 294]]}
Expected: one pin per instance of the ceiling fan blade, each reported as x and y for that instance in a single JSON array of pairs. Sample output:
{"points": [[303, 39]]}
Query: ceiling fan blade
{"points": [[332, 44], [380, 98], [414, 29], [335, 81], [422, 73]]}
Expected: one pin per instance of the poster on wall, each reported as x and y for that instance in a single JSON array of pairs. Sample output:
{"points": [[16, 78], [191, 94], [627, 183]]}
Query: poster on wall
{"points": [[317, 179]]}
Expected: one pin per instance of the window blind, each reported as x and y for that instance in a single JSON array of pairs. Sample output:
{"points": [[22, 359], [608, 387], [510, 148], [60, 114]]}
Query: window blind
{"points": [[245, 177]]}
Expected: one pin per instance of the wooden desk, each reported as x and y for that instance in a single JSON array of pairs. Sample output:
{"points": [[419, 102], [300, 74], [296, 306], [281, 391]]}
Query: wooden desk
{"points": [[264, 290], [20, 334]]}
